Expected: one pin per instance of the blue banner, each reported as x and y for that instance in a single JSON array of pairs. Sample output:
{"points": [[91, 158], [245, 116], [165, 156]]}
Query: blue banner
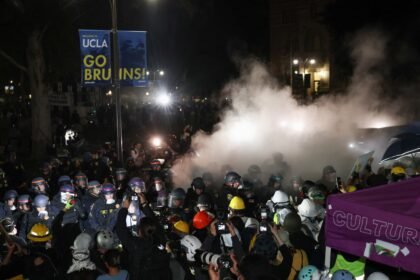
{"points": [[95, 48], [133, 58]]}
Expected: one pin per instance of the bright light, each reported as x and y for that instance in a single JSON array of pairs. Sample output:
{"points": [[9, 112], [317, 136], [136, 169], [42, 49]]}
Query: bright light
{"points": [[164, 99], [296, 72], [351, 145], [30, 96], [147, 93], [147, 73], [11, 81], [295, 61], [156, 141], [109, 93], [161, 73], [6, 87], [312, 61], [323, 73]]}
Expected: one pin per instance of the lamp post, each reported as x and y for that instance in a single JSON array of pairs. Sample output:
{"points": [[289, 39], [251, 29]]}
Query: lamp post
{"points": [[116, 82]]}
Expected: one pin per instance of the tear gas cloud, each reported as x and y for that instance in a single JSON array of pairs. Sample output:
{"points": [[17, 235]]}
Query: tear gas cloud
{"points": [[264, 119]]}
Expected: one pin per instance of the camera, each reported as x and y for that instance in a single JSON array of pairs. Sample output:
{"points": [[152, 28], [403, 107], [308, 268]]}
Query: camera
{"points": [[224, 262], [263, 213], [263, 227], [221, 228]]}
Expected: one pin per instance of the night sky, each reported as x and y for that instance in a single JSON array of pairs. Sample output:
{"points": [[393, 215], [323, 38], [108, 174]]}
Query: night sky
{"points": [[195, 41]]}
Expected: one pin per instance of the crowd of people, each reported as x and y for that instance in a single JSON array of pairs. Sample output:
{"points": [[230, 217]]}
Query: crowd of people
{"points": [[85, 218]]}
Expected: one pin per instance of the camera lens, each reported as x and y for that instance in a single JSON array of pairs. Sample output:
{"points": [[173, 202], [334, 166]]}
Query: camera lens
{"points": [[208, 258]]}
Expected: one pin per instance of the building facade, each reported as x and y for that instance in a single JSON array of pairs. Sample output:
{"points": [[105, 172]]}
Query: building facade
{"points": [[300, 53]]}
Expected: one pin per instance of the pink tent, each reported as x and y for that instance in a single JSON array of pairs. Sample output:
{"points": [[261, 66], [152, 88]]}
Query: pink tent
{"points": [[381, 224]]}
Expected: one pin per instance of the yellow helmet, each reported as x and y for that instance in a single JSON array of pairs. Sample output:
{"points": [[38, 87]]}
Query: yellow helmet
{"points": [[39, 233], [237, 203], [351, 189], [182, 226], [398, 170]]}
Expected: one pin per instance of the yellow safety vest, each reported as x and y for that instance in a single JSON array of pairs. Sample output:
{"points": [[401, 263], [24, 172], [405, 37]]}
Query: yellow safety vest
{"points": [[357, 268]]}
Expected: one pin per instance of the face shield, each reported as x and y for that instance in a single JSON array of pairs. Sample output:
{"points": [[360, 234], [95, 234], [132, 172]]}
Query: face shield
{"points": [[39, 187], [66, 196], [175, 202], [81, 182], [109, 198]]}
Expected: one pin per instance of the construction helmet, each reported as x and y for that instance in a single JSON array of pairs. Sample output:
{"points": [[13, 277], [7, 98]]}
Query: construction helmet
{"points": [[398, 170], [202, 219], [377, 276], [309, 272], [342, 274], [105, 239], [309, 209], [237, 203], [280, 197], [182, 227], [351, 189], [39, 233], [190, 244]]}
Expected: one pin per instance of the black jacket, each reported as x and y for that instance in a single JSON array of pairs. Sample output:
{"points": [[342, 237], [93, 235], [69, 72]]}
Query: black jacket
{"points": [[147, 257]]}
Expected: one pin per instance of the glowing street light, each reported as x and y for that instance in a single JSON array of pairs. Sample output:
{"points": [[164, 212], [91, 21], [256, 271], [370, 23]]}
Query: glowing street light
{"points": [[312, 61], [295, 61], [164, 100], [156, 141], [161, 73]]}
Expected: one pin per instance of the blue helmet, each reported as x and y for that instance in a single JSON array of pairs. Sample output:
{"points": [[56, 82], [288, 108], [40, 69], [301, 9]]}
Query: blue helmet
{"points": [[136, 182], [342, 274], [93, 184], [24, 198], [41, 200], [309, 272], [67, 188], [10, 194], [64, 180], [108, 188]]}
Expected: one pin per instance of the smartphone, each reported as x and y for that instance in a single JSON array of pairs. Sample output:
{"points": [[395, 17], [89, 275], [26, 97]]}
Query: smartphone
{"points": [[134, 198], [221, 228]]}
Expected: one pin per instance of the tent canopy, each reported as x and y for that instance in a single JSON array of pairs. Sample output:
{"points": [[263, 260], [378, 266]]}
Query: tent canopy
{"points": [[381, 224]]}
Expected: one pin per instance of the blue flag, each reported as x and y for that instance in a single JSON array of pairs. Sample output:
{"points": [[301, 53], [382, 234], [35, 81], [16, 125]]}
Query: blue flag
{"points": [[133, 58], [95, 48]]}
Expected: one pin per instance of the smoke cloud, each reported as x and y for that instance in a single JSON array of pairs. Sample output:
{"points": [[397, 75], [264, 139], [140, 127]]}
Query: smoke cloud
{"points": [[264, 119]]}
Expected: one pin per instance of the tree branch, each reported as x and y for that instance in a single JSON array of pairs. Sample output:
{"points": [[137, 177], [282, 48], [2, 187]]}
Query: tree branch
{"points": [[13, 61]]}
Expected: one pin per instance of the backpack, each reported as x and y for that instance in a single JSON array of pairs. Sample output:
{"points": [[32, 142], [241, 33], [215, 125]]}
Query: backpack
{"points": [[299, 260]]}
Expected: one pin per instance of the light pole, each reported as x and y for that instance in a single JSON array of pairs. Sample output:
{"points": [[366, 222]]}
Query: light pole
{"points": [[116, 82]]}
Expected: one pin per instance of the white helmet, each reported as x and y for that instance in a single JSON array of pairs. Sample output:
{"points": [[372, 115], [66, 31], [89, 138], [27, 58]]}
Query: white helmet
{"points": [[280, 197], [190, 244], [309, 209], [377, 276]]}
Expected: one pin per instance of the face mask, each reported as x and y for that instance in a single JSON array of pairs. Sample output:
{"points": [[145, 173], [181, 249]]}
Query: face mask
{"points": [[13, 208], [158, 187], [64, 197]]}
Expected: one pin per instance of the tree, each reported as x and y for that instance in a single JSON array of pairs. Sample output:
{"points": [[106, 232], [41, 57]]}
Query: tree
{"points": [[29, 28]]}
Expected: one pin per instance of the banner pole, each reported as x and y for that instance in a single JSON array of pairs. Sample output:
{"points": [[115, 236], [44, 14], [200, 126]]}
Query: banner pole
{"points": [[116, 83]]}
